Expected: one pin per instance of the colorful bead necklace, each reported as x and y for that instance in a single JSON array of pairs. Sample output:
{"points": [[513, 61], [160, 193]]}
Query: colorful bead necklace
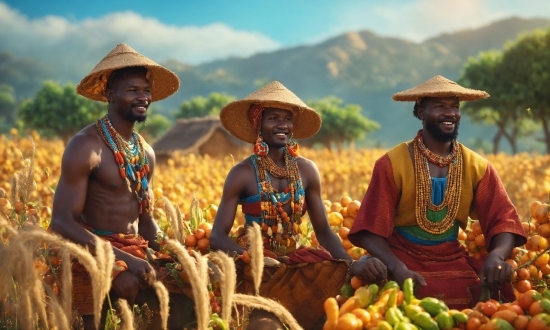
{"points": [[453, 190], [277, 226], [434, 158], [132, 161]]}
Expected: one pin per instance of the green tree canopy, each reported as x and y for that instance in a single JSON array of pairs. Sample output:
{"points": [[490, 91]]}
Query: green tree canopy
{"points": [[200, 106], [341, 123], [503, 109], [57, 111], [529, 58]]}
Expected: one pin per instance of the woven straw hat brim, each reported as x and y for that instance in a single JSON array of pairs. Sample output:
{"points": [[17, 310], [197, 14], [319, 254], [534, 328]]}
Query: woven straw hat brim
{"points": [[439, 86], [163, 81], [234, 116]]}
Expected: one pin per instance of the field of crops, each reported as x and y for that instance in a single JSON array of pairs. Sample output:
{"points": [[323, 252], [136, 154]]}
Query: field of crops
{"points": [[30, 168]]}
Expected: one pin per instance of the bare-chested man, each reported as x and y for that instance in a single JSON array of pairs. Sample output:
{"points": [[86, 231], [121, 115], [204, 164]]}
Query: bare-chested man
{"points": [[104, 186]]}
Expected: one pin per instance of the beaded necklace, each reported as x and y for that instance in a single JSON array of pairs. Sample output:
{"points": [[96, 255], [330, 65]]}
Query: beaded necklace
{"points": [[278, 226], [424, 186], [132, 161], [434, 158]]}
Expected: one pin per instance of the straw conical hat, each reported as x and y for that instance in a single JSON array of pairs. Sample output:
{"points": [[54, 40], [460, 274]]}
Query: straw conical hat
{"points": [[234, 116], [439, 86], [163, 81]]}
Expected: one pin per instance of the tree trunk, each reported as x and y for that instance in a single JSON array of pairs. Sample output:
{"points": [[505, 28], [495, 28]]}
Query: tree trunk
{"points": [[496, 141]]}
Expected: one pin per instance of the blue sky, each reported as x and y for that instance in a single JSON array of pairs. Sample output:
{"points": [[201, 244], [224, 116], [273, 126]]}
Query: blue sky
{"points": [[195, 32]]}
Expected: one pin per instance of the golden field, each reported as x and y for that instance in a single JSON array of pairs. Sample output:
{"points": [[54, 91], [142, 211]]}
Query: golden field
{"points": [[526, 177]]}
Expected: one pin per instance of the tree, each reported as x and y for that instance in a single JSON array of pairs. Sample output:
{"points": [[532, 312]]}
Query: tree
{"points": [[503, 109], [57, 111], [341, 123], [529, 61], [200, 106], [7, 107]]}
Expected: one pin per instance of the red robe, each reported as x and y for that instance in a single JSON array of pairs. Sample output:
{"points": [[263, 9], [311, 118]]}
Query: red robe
{"points": [[450, 273]]}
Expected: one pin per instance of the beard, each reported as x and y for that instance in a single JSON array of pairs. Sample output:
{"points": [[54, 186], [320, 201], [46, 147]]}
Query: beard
{"points": [[136, 118], [439, 135]]}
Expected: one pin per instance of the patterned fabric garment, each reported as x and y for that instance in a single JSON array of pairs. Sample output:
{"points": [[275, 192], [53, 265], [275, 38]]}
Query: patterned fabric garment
{"points": [[388, 211]]}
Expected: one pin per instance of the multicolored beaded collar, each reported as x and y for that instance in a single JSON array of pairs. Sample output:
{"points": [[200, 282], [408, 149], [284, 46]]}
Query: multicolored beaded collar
{"points": [[451, 201], [132, 161], [278, 227]]}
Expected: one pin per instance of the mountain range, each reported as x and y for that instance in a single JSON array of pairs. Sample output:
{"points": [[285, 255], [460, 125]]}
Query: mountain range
{"points": [[359, 67]]}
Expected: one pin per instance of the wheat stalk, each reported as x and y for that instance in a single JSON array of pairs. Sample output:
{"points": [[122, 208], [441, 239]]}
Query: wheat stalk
{"points": [[228, 281], [198, 284], [256, 255], [67, 282], [126, 315], [268, 305], [164, 300]]}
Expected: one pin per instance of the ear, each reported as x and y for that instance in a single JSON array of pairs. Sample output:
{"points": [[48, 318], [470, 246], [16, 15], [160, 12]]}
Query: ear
{"points": [[421, 112], [109, 95]]}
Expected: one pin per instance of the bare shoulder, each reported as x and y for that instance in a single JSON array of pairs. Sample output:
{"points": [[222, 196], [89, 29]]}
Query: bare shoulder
{"points": [[243, 168], [305, 164], [86, 142]]}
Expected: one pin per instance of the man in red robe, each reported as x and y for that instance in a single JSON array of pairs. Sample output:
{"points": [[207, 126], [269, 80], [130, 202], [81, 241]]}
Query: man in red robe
{"points": [[423, 190]]}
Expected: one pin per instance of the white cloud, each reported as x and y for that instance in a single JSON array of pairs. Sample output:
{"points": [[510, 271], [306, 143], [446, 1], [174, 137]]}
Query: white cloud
{"points": [[417, 20], [58, 40]]}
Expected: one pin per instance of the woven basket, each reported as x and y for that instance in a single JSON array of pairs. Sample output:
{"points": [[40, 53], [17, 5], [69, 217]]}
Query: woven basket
{"points": [[83, 299]]}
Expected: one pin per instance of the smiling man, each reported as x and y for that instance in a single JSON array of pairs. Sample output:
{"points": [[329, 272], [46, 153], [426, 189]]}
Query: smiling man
{"points": [[106, 169], [423, 190], [274, 185]]}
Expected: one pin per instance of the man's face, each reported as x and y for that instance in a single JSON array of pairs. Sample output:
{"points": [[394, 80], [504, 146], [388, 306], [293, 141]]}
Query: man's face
{"points": [[276, 126], [441, 117], [131, 96]]}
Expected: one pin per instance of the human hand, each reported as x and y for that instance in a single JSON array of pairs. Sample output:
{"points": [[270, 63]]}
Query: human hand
{"points": [[369, 270], [142, 270], [401, 273], [495, 271]]}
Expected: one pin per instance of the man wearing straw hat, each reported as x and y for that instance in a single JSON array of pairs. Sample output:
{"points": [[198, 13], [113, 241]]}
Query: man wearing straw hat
{"points": [[423, 190], [275, 186], [104, 186]]}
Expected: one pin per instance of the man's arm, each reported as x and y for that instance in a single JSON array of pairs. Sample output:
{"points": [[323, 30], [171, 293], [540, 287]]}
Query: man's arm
{"points": [[370, 269], [147, 226], [233, 188]]}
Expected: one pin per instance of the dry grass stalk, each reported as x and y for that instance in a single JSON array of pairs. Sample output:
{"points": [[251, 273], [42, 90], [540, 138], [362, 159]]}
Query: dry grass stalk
{"points": [[14, 188], [67, 282], [179, 226], [268, 305], [58, 319], [164, 299], [199, 283], [228, 280], [100, 268], [256, 255], [126, 315]]}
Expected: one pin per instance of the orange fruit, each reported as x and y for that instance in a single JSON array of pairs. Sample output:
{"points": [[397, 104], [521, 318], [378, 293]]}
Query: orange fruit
{"points": [[470, 236], [335, 207], [476, 228], [461, 235], [343, 232], [348, 222], [356, 282], [353, 208], [488, 308], [538, 242], [480, 240], [544, 230], [523, 286], [347, 244], [203, 243], [523, 274], [200, 233], [527, 298], [528, 227], [344, 200], [542, 260], [539, 211], [473, 323], [207, 227], [190, 240], [520, 323], [535, 308]]}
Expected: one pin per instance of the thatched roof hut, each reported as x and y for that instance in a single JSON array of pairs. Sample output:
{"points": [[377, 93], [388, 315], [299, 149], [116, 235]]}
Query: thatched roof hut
{"points": [[200, 136]]}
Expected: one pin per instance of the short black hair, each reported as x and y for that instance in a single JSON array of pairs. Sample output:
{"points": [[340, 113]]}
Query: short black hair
{"points": [[116, 75], [417, 105]]}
